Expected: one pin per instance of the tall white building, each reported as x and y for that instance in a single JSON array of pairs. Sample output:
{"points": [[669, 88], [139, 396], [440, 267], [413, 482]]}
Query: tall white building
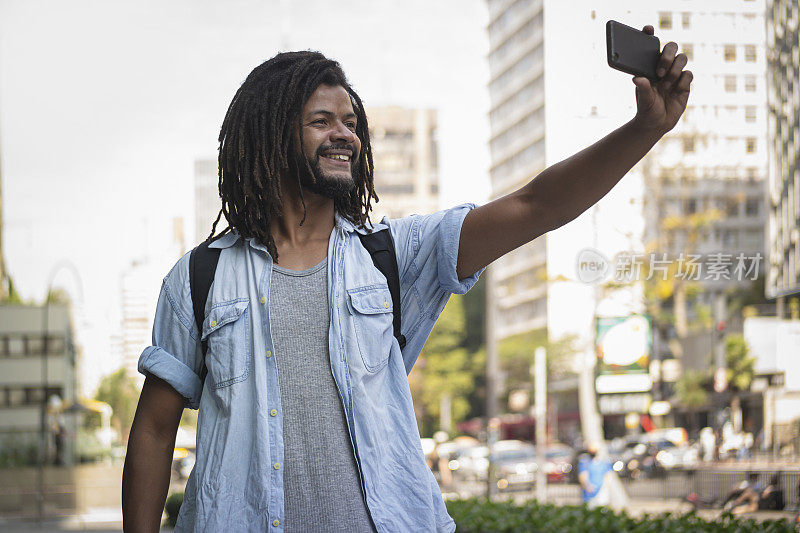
{"points": [[553, 94], [140, 284], [405, 158], [783, 88]]}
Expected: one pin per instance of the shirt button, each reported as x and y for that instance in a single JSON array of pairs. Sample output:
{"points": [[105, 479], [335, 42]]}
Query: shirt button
{"points": [[276, 522], [213, 323], [386, 305], [273, 412], [269, 353], [276, 466], [263, 300]]}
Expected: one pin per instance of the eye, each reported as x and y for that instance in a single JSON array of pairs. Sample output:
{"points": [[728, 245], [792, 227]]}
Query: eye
{"points": [[351, 125]]}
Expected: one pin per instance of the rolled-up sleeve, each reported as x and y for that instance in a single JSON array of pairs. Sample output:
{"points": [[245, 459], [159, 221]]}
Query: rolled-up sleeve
{"points": [[427, 256], [174, 355], [447, 257]]}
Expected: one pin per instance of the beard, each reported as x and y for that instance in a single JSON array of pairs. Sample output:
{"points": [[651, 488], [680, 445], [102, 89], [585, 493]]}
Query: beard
{"points": [[338, 188]]}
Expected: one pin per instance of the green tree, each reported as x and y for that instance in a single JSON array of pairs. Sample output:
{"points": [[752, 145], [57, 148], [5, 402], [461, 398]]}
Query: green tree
{"points": [[516, 357], [119, 390], [691, 389], [740, 372], [741, 367], [445, 367]]}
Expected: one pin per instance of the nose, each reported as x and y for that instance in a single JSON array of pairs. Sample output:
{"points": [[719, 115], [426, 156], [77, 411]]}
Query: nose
{"points": [[342, 133]]}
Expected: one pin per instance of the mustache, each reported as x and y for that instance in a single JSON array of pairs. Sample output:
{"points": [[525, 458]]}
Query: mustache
{"points": [[325, 147]]}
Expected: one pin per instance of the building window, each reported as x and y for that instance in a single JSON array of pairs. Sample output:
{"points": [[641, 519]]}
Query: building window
{"points": [[665, 21], [686, 20], [750, 145], [751, 207], [688, 51], [750, 113], [750, 84], [730, 84], [16, 397], [750, 53], [688, 144], [730, 52]]}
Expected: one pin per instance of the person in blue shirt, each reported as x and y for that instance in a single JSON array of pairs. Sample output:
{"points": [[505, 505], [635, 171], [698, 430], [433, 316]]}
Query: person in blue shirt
{"points": [[306, 421], [592, 472]]}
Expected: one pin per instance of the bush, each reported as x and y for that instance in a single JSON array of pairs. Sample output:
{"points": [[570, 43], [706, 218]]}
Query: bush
{"points": [[172, 507], [479, 515]]}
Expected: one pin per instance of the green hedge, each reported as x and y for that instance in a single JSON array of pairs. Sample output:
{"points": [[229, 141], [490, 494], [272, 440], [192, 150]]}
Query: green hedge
{"points": [[479, 515], [172, 507]]}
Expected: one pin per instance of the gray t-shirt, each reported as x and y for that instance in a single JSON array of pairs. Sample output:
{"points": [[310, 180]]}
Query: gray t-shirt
{"points": [[321, 484]]}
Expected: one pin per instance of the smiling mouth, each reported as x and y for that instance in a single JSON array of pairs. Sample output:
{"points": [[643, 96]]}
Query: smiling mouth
{"points": [[337, 157]]}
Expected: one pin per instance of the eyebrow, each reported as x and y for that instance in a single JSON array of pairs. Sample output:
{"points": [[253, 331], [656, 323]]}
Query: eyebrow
{"points": [[329, 113]]}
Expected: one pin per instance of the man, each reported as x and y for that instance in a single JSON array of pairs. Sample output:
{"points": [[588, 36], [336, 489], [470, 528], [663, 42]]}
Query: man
{"points": [[305, 417], [591, 475]]}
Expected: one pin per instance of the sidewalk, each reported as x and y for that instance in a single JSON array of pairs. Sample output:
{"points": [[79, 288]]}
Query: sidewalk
{"points": [[100, 520]]}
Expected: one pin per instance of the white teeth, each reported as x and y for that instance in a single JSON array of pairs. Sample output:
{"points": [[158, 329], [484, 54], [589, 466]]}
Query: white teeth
{"points": [[339, 157]]}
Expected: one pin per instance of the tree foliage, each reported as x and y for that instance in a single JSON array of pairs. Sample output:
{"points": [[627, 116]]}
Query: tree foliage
{"points": [[119, 390], [692, 388], [741, 367], [445, 367]]}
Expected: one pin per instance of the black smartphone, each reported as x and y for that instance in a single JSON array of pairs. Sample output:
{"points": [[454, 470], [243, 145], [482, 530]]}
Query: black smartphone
{"points": [[632, 51]]}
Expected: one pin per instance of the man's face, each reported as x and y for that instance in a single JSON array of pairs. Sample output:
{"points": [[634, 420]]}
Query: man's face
{"points": [[330, 143]]}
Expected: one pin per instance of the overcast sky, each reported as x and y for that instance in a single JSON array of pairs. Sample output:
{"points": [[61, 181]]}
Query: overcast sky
{"points": [[104, 107]]}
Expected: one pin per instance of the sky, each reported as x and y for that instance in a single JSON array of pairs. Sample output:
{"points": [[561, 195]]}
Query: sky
{"points": [[105, 106]]}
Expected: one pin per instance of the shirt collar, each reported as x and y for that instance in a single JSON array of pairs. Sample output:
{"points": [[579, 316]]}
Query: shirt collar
{"points": [[347, 226], [229, 239]]}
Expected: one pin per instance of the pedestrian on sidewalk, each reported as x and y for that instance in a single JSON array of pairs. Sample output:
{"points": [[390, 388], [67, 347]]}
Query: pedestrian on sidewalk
{"points": [[306, 421], [592, 472]]}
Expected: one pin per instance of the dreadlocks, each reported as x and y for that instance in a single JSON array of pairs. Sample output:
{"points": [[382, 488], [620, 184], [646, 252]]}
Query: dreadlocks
{"points": [[257, 145]]}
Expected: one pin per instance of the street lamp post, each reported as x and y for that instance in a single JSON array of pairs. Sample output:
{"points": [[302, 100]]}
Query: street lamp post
{"points": [[43, 444]]}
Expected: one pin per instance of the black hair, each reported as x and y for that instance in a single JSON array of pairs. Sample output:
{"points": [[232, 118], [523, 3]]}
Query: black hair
{"points": [[257, 143]]}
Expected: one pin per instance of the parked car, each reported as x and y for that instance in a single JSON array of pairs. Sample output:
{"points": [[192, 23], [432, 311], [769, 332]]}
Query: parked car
{"points": [[558, 465], [470, 464], [515, 464]]}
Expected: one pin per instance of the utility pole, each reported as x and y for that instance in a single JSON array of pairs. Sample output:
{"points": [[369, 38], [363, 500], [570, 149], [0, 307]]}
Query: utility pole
{"points": [[540, 381], [492, 377]]}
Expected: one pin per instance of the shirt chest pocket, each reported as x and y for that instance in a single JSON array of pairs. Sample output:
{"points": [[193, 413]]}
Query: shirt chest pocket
{"points": [[227, 330], [371, 310]]}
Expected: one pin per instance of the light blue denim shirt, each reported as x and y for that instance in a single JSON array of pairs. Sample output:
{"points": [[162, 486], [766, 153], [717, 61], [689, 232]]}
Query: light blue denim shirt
{"points": [[237, 481]]}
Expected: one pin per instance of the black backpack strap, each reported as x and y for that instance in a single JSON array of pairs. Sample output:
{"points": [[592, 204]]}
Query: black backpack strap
{"points": [[380, 246], [202, 266]]}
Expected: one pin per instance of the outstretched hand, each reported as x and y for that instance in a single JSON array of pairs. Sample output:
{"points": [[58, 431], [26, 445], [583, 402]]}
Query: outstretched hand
{"points": [[659, 105]]}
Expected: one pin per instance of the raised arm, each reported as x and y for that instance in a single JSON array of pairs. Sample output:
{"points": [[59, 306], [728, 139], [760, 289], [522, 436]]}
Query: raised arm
{"points": [[565, 190]]}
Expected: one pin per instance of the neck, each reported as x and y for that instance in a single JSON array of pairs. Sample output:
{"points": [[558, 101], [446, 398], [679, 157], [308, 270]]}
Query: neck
{"points": [[319, 218]]}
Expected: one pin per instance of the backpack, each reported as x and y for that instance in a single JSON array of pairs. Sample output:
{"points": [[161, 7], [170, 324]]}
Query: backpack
{"points": [[203, 265]]}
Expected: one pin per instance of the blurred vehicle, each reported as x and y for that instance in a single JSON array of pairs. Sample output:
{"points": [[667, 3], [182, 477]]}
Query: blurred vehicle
{"points": [[470, 463], [670, 456], [514, 464], [558, 465], [638, 459]]}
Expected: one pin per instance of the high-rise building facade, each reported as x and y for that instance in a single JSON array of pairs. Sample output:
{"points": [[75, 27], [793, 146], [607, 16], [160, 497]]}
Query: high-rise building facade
{"points": [[140, 285], [783, 96], [547, 102], [37, 366], [405, 158], [706, 179]]}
